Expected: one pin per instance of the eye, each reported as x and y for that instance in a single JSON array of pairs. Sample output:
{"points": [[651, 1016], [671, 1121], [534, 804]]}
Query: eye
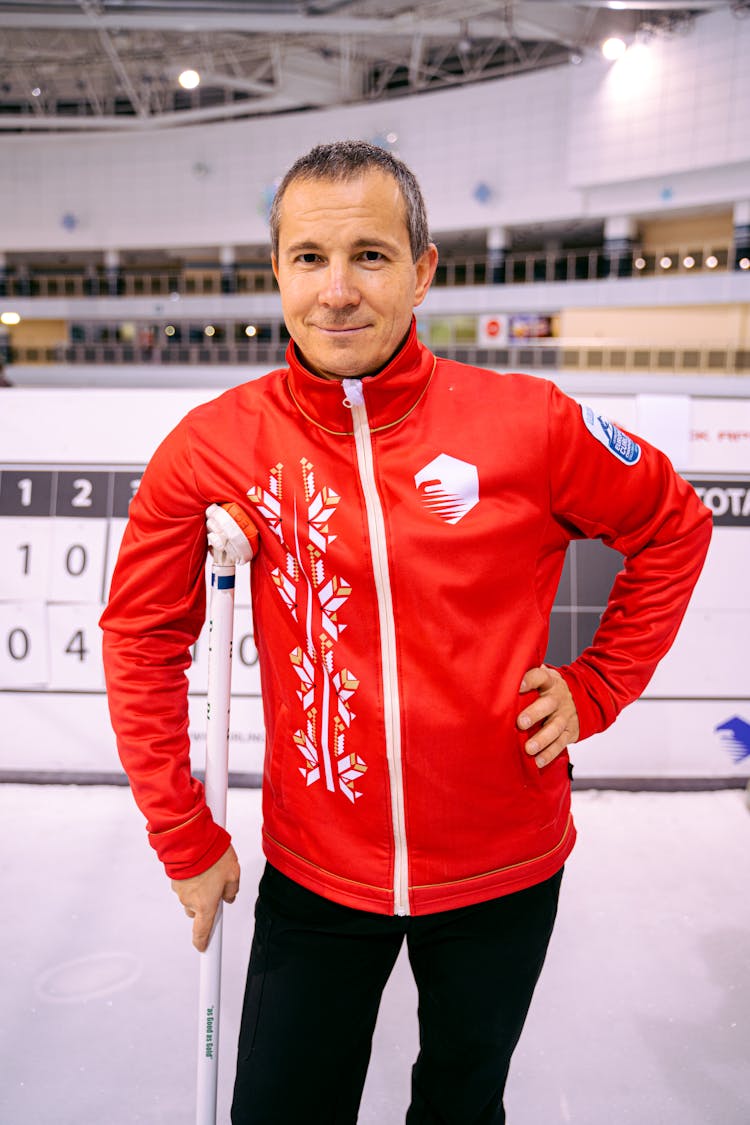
{"points": [[309, 258], [372, 256]]}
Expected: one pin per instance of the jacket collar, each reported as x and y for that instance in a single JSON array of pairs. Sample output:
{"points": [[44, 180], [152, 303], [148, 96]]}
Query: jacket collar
{"points": [[389, 396]]}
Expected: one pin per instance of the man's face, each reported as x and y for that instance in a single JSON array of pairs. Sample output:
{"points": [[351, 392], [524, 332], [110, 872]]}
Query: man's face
{"points": [[345, 271]]}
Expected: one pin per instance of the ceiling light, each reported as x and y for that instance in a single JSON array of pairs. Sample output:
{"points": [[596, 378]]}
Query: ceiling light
{"points": [[209, 330], [712, 262], [688, 261], [251, 330], [744, 263], [665, 262], [189, 79], [36, 92], [170, 330], [10, 318], [640, 263], [613, 48]]}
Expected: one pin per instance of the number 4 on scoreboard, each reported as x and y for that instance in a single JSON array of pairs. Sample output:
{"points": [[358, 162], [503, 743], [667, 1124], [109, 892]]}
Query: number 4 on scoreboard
{"points": [[76, 646], [75, 661]]}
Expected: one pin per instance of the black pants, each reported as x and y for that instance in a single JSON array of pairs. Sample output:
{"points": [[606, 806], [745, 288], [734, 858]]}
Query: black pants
{"points": [[317, 972]]}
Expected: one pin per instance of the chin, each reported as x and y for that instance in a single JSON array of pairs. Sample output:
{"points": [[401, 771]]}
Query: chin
{"points": [[349, 367]]}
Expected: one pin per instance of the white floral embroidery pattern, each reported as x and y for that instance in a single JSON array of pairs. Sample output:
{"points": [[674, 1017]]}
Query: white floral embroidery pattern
{"points": [[314, 599]]}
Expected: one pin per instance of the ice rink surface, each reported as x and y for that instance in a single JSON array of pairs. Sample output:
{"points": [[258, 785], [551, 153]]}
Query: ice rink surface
{"points": [[642, 1015]]}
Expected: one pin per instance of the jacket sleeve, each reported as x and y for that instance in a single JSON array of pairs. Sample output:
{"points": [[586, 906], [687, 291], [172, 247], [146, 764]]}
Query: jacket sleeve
{"points": [[610, 485], [155, 613]]}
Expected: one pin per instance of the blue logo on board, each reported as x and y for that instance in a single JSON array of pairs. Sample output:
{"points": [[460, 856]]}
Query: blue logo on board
{"points": [[735, 736]]}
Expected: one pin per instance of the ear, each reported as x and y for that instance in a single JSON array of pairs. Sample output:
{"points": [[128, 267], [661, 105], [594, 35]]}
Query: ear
{"points": [[426, 266], [275, 266]]}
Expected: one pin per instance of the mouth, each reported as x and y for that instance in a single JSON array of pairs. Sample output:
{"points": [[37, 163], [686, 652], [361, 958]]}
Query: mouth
{"points": [[340, 330]]}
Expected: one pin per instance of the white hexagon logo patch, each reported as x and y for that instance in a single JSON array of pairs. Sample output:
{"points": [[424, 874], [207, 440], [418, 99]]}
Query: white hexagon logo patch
{"points": [[448, 487]]}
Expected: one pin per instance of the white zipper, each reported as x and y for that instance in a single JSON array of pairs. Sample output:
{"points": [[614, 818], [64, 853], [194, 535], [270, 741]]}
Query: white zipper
{"points": [[355, 400]]}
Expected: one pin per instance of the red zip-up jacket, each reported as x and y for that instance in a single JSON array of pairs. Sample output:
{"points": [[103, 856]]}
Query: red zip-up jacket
{"points": [[413, 527]]}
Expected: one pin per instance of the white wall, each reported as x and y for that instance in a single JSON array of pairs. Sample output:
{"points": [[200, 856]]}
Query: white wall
{"points": [[570, 142], [679, 105]]}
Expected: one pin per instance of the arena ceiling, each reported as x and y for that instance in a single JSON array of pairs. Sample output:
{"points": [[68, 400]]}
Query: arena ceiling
{"points": [[113, 64]]}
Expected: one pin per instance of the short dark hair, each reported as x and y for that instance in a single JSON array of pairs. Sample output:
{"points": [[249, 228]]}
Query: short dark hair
{"points": [[347, 160]]}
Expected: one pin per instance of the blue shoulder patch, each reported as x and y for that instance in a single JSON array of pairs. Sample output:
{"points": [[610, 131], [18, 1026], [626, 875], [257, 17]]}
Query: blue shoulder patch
{"points": [[618, 443]]}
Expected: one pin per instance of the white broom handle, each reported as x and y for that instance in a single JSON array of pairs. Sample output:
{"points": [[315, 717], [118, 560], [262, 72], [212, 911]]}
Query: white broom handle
{"points": [[220, 627]]}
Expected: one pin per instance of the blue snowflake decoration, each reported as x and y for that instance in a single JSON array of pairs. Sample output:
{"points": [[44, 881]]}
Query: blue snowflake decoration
{"points": [[482, 192], [267, 198], [387, 141], [735, 736]]}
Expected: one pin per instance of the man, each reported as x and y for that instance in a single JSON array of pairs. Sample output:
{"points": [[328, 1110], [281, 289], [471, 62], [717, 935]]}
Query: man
{"points": [[413, 515]]}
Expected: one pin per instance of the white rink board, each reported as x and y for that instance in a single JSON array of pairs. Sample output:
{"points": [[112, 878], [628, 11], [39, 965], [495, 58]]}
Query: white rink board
{"points": [[86, 448]]}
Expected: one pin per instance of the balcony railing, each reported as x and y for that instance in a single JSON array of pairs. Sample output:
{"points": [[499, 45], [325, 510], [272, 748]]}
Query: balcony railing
{"points": [[551, 355], [141, 283], [270, 355], [588, 264]]}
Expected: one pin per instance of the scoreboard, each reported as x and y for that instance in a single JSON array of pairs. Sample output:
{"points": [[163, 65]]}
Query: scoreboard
{"points": [[70, 462], [61, 529], [60, 532]]}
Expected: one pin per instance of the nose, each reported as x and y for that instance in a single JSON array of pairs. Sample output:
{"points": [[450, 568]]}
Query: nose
{"points": [[339, 289]]}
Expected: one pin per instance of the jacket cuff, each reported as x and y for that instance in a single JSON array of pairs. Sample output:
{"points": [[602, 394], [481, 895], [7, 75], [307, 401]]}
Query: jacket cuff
{"points": [[594, 704], [191, 848]]}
